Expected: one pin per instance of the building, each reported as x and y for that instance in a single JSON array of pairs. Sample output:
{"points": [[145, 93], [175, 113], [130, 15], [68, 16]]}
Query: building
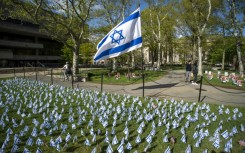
{"points": [[22, 44]]}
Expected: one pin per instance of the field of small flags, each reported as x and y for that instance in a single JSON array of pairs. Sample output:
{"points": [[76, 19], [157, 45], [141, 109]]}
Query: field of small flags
{"points": [[39, 117]]}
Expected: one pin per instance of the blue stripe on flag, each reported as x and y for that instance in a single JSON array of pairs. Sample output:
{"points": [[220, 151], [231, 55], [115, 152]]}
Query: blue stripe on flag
{"points": [[119, 48]]}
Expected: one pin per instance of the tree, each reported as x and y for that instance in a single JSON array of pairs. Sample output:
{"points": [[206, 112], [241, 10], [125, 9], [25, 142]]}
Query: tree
{"points": [[237, 29], [158, 29], [156, 18], [195, 15], [62, 20], [87, 50]]}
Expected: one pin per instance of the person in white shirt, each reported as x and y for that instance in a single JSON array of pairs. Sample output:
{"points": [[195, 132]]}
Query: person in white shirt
{"points": [[67, 70]]}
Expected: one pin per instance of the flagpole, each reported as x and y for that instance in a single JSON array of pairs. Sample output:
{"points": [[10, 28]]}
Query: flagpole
{"points": [[142, 68], [101, 88], [142, 71]]}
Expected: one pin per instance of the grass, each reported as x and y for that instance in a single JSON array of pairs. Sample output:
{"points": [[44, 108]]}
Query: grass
{"points": [[216, 82], [109, 78], [42, 101]]}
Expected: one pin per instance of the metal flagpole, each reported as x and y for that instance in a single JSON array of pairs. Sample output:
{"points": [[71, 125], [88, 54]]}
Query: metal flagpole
{"points": [[142, 68], [142, 71]]}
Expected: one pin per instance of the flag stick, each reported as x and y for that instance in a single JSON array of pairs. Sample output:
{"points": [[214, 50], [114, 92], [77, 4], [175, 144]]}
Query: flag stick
{"points": [[200, 90], [142, 71], [102, 82]]}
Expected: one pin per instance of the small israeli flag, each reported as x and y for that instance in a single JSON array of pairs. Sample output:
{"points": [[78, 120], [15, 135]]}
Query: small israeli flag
{"points": [[125, 37], [140, 130], [182, 130], [29, 142], [107, 140], [94, 150], [115, 141], [216, 143], [153, 132], [138, 140], [39, 150], [234, 130], [168, 150], [68, 137], [87, 143], [165, 139], [188, 149], [225, 134], [195, 135], [125, 131], [183, 138], [26, 150], [34, 132], [197, 144], [149, 139], [120, 148], [128, 146], [39, 142], [242, 128], [15, 148], [94, 138], [109, 149]]}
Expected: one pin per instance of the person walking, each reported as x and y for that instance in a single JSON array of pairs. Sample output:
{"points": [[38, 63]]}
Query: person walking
{"points": [[67, 70], [188, 72], [195, 71]]}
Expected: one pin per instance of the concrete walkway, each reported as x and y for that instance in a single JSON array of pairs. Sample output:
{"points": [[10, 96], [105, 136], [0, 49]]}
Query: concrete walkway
{"points": [[170, 86], [174, 86]]}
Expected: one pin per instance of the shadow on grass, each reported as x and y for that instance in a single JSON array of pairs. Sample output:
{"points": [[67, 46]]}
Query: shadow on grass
{"points": [[151, 148], [71, 149], [158, 86]]}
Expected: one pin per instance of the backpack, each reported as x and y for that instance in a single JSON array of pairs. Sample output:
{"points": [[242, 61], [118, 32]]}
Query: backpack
{"points": [[68, 68]]}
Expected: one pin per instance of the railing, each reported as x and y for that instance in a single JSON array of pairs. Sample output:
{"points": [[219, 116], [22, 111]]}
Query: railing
{"points": [[50, 75]]}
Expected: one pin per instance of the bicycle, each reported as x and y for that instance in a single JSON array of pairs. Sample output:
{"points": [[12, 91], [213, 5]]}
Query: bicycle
{"points": [[64, 76]]}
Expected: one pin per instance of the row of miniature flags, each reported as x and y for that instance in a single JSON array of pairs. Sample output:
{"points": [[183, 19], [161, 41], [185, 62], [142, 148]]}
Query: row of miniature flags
{"points": [[176, 109]]}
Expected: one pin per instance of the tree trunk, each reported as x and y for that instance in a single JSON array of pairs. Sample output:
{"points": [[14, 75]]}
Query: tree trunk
{"points": [[238, 35], [223, 57], [239, 57], [223, 60], [194, 51], [132, 58], [158, 55], [114, 64], [199, 55], [75, 61]]}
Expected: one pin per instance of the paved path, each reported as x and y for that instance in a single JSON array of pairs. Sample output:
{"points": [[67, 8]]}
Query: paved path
{"points": [[169, 86], [174, 86]]}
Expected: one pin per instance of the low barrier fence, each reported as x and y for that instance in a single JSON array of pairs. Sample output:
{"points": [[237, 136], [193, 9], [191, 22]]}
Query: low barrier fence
{"points": [[49, 75]]}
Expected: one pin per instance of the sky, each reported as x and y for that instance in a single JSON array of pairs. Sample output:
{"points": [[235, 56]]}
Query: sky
{"points": [[144, 5]]}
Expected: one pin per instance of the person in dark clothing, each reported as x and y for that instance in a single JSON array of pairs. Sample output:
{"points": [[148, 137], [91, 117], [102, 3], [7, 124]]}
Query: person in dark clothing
{"points": [[188, 72], [195, 71]]}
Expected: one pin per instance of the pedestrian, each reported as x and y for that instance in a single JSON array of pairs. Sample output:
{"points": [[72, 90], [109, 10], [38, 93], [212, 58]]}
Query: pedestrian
{"points": [[195, 71], [188, 72], [67, 70]]}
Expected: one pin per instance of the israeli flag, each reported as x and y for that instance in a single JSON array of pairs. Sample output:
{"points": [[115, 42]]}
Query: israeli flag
{"points": [[128, 146], [168, 150], [125, 37]]}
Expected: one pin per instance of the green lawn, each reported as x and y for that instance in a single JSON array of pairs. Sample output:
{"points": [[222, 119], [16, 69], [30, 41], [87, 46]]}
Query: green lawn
{"points": [[109, 78], [217, 82], [22, 101]]}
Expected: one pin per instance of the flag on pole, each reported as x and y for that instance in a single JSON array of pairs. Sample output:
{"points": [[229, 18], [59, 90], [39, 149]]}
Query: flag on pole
{"points": [[125, 37]]}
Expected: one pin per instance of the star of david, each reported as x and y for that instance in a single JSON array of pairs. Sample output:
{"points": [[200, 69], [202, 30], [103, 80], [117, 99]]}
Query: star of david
{"points": [[116, 37]]}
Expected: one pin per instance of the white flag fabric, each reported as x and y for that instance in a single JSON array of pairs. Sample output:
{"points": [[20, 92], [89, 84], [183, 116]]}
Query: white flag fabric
{"points": [[125, 37]]}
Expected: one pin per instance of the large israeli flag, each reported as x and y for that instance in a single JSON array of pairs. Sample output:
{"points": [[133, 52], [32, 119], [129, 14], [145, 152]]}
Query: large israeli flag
{"points": [[125, 37]]}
